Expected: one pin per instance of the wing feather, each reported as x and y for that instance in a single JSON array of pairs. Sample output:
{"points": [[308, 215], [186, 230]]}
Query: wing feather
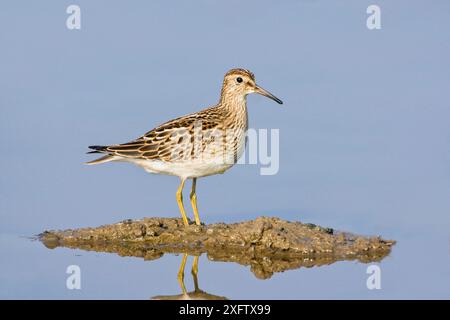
{"points": [[171, 141]]}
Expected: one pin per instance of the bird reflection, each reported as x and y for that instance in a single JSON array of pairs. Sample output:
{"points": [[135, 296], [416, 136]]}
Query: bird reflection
{"points": [[197, 293]]}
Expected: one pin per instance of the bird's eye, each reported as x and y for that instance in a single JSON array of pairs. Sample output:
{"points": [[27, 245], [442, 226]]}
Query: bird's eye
{"points": [[239, 79]]}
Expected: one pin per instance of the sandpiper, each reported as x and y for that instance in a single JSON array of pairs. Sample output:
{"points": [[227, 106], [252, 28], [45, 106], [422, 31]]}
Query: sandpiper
{"points": [[196, 145]]}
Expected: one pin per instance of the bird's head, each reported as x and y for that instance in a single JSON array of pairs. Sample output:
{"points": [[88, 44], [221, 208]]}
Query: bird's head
{"points": [[241, 82]]}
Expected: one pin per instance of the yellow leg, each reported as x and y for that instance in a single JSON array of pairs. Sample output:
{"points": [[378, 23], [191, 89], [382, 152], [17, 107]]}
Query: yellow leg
{"points": [[181, 273], [194, 201], [180, 202], [195, 272]]}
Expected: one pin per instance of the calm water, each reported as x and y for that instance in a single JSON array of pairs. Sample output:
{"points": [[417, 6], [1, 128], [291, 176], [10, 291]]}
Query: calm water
{"points": [[364, 138], [417, 268]]}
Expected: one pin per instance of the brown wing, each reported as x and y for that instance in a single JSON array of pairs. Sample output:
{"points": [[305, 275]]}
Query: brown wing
{"points": [[171, 141]]}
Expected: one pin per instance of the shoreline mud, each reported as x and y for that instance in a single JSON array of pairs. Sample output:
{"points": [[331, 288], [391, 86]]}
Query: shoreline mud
{"points": [[266, 244]]}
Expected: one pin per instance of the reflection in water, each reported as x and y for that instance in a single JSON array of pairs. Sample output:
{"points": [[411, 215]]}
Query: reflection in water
{"points": [[197, 294], [266, 245], [263, 264]]}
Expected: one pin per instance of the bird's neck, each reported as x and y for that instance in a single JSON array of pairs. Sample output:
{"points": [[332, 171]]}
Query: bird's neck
{"points": [[235, 103], [235, 106]]}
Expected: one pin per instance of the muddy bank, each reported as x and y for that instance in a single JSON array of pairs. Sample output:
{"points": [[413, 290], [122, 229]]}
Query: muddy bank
{"points": [[265, 244]]}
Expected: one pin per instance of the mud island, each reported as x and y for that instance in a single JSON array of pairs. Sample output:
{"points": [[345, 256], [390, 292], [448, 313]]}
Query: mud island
{"points": [[266, 244]]}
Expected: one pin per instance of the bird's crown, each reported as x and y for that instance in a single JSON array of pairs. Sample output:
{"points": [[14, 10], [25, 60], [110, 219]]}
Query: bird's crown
{"points": [[242, 72]]}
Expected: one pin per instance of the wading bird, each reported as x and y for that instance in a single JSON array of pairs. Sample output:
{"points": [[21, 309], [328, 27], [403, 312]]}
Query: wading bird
{"points": [[197, 145]]}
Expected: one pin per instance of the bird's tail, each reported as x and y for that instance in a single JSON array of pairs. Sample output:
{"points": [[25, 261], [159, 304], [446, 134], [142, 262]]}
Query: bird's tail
{"points": [[100, 149]]}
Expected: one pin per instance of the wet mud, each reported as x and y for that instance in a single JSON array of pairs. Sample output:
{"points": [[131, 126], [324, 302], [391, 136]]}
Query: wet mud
{"points": [[268, 245]]}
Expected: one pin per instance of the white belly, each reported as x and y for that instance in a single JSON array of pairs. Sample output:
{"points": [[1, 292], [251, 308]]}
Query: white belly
{"points": [[183, 169]]}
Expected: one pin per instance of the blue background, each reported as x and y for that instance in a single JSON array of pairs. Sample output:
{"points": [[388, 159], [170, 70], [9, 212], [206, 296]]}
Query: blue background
{"points": [[364, 135]]}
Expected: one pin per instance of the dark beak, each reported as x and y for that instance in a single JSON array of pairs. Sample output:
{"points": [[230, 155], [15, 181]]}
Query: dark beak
{"points": [[267, 94]]}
